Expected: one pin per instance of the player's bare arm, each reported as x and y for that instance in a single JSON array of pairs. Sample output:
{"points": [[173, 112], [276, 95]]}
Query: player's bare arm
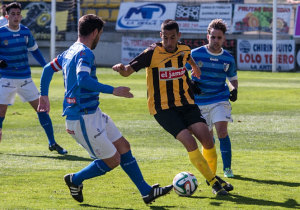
{"points": [[122, 92], [233, 84], [123, 70], [196, 72], [44, 104]]}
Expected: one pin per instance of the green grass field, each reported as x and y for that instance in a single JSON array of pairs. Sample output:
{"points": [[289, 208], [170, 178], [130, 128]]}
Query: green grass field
{"points": [[265, 138]]}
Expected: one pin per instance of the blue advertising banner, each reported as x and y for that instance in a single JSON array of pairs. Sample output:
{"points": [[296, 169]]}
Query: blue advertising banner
{"points": [[144, 16]]}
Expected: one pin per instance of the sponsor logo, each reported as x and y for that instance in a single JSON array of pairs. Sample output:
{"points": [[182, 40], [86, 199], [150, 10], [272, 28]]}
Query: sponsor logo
{"points": [[8, 85], [70, 132], [99, 132], [136, 17], [26, 83], [214, 59], [245, 46], [71, 100], [187, 13], [171, 73]]}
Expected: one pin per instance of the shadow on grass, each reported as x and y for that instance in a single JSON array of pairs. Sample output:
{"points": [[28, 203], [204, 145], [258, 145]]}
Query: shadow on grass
{"points": [[238, 199], [102, 207], [162, 207], [271, 182], [62, 157]]}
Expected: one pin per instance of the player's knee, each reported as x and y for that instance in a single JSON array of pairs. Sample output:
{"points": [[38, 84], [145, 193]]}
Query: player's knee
{"points": [[222, 134], [113, 161]]}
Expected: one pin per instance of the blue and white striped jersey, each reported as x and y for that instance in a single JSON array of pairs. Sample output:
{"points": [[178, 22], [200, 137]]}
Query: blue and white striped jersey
{"points": [[215, 69], [14, 46], [78, 58]]}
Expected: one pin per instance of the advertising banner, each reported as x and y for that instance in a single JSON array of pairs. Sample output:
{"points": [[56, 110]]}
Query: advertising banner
{"points": [[256, 55], [144, 16], [209, 12], [188, 18], [133, 46], [229, 44], [37, 17], [297, 22], [258, 17]]}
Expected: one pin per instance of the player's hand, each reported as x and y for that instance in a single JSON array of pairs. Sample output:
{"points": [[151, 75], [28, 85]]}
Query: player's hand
{"points": [[123, 92], [3, 64], [44, 104], [233, 95], [119, 67], [195, 87], [196, 72]]}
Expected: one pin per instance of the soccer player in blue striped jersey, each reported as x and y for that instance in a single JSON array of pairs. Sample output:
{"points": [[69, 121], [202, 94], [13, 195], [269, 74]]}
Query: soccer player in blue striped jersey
{"points": [[85, 122], [216, 65], [15, 75]]}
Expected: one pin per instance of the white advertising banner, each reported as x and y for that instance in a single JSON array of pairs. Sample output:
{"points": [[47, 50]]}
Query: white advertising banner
{"points": [[133, 46], [195, 19], [256, 55], [209, 12], [144, 16], [258, 17]]}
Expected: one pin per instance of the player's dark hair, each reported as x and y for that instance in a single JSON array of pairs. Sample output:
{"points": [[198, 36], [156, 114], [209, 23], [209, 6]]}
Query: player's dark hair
{"points": [[170, 24], [3, 9], [88, 23], [217, 24], [13, 5]]}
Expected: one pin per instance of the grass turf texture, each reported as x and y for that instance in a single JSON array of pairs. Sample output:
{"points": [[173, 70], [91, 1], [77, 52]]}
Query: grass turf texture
{"points": [[265, 141]]}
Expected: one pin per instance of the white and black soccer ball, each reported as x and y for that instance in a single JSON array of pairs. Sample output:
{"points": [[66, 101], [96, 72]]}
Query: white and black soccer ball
{"points": [[185, 184]]}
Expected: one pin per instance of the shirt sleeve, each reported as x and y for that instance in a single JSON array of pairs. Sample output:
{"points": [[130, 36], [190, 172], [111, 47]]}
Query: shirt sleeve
{"points": [[232, 73], [85, 62], [142, 60]]}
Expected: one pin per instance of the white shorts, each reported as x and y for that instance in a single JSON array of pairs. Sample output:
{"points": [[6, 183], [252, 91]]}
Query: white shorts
{"points": [[25, 88], [96, 133], [216, 112]]}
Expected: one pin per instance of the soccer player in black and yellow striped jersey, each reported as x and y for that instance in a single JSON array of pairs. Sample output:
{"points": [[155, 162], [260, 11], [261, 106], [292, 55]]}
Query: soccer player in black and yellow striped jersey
{"points": [[171, 99]]}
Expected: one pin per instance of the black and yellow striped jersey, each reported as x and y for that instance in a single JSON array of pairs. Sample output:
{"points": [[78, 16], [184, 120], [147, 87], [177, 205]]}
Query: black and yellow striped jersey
{"points": [[168, 82]]}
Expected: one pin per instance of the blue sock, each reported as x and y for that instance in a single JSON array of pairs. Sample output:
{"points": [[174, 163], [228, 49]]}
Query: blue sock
{"points": [[46, 123], [1, 121], [225, 147], [96, 168], [130, 166]]}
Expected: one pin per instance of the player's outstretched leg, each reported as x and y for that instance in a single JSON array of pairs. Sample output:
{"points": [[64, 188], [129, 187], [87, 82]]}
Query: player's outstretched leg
{"points": [[149, 194], [46, 123]]}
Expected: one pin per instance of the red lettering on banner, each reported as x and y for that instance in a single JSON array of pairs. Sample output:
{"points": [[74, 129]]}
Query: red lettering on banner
{"points": [[282, 59], [171, 73], [291, 59], [250, 58]]}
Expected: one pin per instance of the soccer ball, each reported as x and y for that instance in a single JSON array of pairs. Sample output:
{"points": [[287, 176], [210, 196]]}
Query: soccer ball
{"points": [[185, 184]]}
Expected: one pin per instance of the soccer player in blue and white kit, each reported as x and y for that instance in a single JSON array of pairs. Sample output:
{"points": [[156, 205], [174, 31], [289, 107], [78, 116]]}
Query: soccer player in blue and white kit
{"points": [[15, 75], [85, 122], [216, 65]]}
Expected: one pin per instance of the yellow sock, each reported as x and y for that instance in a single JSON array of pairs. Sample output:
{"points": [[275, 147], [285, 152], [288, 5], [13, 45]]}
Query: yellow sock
{"points": [[211, 157], [201, 164]]}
